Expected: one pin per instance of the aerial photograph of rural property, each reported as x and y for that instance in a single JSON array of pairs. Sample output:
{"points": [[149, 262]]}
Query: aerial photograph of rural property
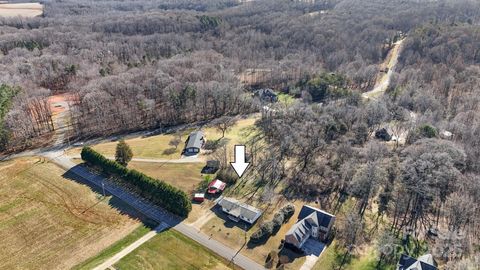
{"points": [[240, 134]]}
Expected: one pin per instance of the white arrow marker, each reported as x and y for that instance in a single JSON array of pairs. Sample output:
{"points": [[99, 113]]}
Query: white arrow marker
{"points": [[239, 165]]}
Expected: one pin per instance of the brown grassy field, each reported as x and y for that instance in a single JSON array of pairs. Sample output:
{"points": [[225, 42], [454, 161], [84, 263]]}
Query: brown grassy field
{"points": [[50, 222], [155, 146], [21, 9], [185, 176]]}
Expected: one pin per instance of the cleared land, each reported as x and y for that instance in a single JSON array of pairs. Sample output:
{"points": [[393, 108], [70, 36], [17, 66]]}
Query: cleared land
{"points": [[21, 9], [171, 250], [157, 146], [185, 176], [49, 221]]}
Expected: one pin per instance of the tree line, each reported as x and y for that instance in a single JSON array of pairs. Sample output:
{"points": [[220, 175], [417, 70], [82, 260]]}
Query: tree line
{"points": [[154, 190], [137, 64]]}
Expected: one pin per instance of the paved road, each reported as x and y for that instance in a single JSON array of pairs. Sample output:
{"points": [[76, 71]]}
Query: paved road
{"points": [[153, 212], [117, 257]]}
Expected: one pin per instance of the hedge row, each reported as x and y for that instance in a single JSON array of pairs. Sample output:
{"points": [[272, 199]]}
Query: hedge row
{"points": [[156, 191], [271, 227]]}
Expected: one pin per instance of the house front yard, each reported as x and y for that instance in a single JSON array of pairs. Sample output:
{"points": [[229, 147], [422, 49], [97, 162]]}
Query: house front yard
{"points": [[232, 234]]}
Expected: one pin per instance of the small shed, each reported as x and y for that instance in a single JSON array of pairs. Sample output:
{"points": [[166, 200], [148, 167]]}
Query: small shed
{"points": [[195, 142], [216, 186], [212, 167], [199, 197]]}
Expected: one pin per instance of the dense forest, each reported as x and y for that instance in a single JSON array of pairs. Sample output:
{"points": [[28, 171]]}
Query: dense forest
{"points": [[132, 65], [136, 65]]}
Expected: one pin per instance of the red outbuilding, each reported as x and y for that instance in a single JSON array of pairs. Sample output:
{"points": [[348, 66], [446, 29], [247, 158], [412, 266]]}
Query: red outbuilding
{"points": [[216, 186], [199, 197]]}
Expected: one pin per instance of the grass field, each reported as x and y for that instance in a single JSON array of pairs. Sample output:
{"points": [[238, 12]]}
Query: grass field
{"points": [[332, 259], [21, 9], [156, 146], [171, 250], [185, 176], [50, 222], [140, 231]]}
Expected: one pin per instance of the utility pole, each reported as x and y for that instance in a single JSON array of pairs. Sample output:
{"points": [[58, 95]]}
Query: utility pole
{"points": [[103, 188], [245, 234]]}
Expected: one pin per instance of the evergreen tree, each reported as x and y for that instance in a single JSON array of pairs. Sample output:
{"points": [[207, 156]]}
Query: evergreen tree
{"points": [[123, 154]]}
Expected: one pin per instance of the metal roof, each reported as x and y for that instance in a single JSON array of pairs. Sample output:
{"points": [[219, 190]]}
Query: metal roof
{"points": [[195, 140], [239, 209]]}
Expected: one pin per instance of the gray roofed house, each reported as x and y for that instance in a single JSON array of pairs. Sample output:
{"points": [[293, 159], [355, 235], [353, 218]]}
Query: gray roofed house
{"points": [[425, 262], [195, 142], [312, 222], [237, 210], [267, 95]]}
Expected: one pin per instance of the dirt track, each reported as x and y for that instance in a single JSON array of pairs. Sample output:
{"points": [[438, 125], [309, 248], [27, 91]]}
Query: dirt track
{"points": [[390, 62], [21, 9]]}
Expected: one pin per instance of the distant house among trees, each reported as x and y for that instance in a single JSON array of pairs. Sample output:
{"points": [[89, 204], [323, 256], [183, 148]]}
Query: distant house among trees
{"points": [[266, 95], [237, 210], [425, 262], [312, 222], [194, 143], [382, 134]]}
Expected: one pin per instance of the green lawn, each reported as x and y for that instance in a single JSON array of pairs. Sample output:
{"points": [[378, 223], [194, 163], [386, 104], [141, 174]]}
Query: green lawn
{"points": [[171, 250], [332, 258], [115, 248]]}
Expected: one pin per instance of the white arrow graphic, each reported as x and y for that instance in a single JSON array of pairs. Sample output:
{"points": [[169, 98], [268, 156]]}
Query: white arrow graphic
{"points": [[239, 165]]}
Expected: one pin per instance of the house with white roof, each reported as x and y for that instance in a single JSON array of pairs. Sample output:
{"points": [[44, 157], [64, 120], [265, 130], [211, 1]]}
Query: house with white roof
{"points": [[237, 210]]}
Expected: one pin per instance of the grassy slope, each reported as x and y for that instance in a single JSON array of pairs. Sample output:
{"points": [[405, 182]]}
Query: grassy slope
{"points": [[171, 250], [52, 222]]}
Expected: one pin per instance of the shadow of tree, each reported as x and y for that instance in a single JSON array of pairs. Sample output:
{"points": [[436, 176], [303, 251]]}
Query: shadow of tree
{"points": [[114, 202]]}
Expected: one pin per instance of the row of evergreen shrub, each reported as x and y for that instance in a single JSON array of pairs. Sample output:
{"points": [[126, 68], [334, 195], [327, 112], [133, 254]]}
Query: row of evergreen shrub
{"points": [[156, 191], [271, 227]]}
